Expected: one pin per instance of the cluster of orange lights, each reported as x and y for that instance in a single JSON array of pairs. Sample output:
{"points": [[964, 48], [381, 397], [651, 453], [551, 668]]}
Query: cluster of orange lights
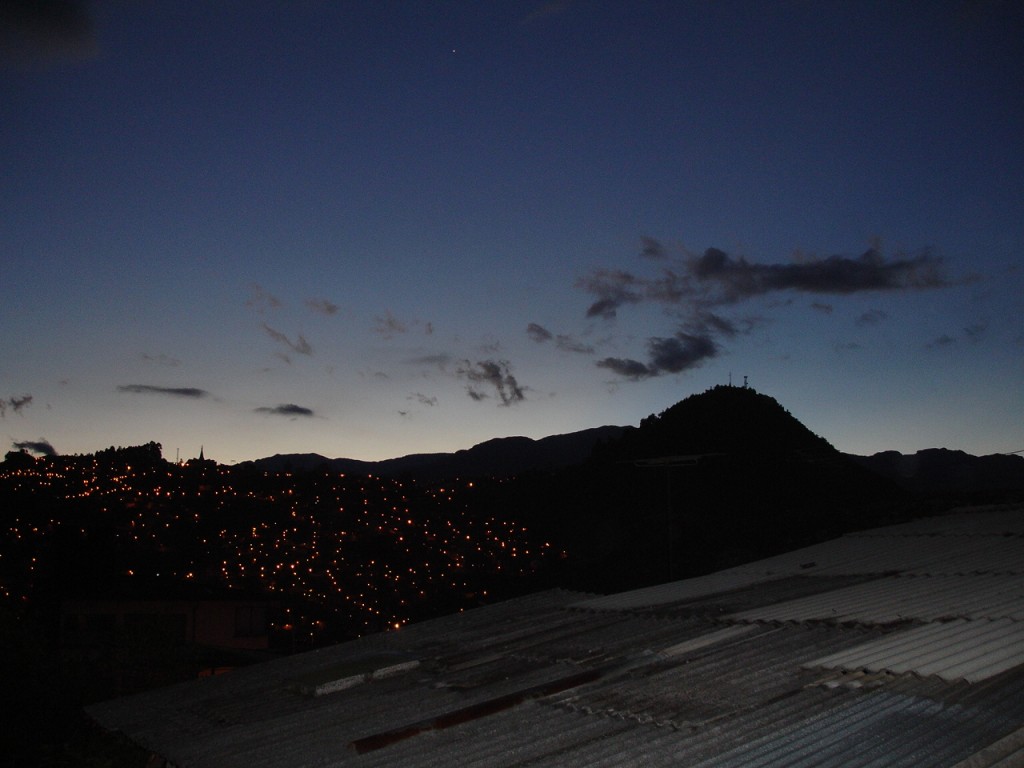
{"points": [[364, 552]]}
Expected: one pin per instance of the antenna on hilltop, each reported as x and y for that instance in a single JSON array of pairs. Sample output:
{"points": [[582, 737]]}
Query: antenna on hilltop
{"points": [[744, 382]]}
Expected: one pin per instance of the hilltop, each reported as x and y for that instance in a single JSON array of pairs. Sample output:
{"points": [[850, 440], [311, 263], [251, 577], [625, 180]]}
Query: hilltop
{"points": [[720, 478]]}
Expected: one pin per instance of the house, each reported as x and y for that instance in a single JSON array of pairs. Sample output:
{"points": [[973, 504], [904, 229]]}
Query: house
{"points": [[898, 646]]}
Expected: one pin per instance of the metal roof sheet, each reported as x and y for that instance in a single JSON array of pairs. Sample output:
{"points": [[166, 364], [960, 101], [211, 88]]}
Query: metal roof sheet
{"points": [[983, 543], [967, 650], [902, 598], [776, 662]]}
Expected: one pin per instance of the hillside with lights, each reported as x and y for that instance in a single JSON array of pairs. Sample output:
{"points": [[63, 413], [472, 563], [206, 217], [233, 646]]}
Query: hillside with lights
{"points": [[337, 556]]}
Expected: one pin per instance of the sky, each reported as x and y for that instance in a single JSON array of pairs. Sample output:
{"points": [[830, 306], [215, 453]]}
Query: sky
{"points": [[370, 229]]}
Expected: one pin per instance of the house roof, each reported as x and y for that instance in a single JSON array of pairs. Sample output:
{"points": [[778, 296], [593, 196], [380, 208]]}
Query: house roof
{"points": [[897, 646]]}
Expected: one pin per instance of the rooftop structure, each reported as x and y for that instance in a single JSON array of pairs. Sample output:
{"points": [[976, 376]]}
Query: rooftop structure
{"points": [[898, 646]]}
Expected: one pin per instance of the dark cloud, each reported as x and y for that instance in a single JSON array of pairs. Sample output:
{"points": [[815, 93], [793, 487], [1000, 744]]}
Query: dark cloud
{"points": [[680, 352], [261, 300], [538, 333], [975, 332], [945, 340], [651, 248], [872, 317], [716, 278], [422, 399], [738, 279], [40, 446], [691, 287], [285, 409], [34, 30], [625, 367], [300, 345], [704, 323], [674, 354], [388, 325], [440, 360], [15, 403], [614, 288], [323, 306], [149, 389], [492, 373], [569, 344]]}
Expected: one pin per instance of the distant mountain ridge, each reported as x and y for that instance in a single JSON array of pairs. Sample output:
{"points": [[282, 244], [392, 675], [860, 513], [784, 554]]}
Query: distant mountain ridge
{"points": [[942, 470], [724, 420], [498, 456]]}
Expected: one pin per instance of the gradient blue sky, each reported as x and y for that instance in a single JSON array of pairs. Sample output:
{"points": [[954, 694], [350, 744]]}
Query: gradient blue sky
{"points": [[372, 229]]}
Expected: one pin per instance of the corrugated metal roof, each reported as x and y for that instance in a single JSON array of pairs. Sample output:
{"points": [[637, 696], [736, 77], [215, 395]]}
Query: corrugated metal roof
{"points": [[902, 598], [954, 650], [987, 543], [828, 656]]}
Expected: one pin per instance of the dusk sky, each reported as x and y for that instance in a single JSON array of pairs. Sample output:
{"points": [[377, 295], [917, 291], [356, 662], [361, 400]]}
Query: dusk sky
{"points": [[369, 229]]}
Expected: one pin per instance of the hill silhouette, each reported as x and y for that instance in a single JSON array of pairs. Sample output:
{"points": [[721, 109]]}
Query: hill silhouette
{"points": [[940, 470], [502, 456], [734, 421], [720, 478]]}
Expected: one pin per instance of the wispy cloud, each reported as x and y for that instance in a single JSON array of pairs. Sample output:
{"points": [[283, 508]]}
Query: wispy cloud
{"points": [[286, 409], [161, 359], [872, 317], [261, 300], [388, 325], [538, 333], [323, 306], [150, 389], [737, 279], [570, 344], [563, 341], [614, 288], [494, 374], [692, 288], [16, 404], [942, 342], [41, 446], [715, 278], [440, 360], [300, 344], [975, 332], [422, 399], [651, 248]]}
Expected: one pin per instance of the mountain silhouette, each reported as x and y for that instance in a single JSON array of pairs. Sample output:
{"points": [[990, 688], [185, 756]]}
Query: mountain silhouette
{"points": [[939, 470], [725, 420], [501, 457], [720, 478]]}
